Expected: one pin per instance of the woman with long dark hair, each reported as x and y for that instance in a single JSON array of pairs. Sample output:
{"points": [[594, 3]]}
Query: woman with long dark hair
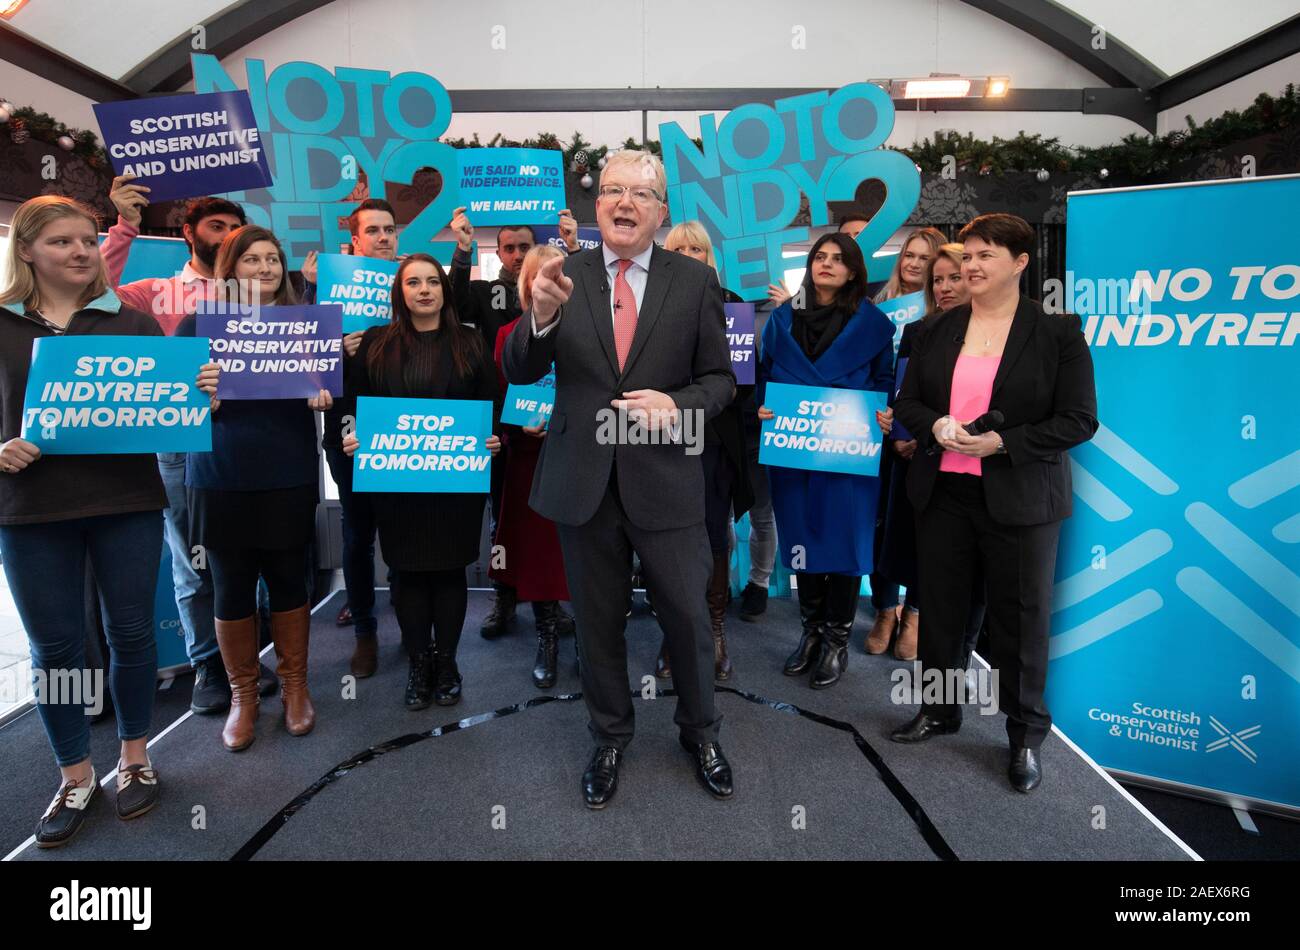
{"points": [[428, 539], [835, 338], [253, 505], [59, 512]]}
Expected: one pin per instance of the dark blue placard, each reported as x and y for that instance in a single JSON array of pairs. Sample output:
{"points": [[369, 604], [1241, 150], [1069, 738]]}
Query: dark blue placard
{"points": [[275, 352], [186, 146]]}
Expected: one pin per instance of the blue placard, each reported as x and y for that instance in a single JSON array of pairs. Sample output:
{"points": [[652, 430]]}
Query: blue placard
{"points": [[185, 146], [1175, 649], [116, 395], [512, 185], [530, 405], [168, 631], [549, 234], [740, 340], [822, 429], [422, 445], [274, 352], [903, 310], [362, 286]]}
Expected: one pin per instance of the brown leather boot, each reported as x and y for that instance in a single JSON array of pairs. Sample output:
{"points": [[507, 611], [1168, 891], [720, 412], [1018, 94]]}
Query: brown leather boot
{"points": [[908, 633], [289, 630], [365, 657], [237, 640], [882, 631], [717, 596]]}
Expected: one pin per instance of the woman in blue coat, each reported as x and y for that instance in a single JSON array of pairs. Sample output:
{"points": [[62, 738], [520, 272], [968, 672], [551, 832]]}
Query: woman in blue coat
{"points": [[827, 335]]}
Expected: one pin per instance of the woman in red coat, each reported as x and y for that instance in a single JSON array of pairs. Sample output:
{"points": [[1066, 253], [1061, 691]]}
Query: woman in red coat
{"points": [[527, 546]]}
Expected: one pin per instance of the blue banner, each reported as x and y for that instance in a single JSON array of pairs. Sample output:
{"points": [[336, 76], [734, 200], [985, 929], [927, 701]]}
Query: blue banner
{"points": [[362, 286], [117, 395], [422, 445], [1175, 647], [274, 352], [167, 630], [530, 405], [512, 185], [746, 179], [902, 311], [185, 146], [550, 234], [740, 340], [822, 429]]}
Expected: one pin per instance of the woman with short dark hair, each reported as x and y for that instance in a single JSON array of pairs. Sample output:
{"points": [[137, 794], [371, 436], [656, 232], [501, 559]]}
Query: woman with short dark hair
{"points": [[826, 520], [996, 392]]}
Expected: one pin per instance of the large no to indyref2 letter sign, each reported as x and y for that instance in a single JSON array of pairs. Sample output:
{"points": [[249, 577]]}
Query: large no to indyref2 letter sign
{"points": [[321, 129], [744, 183]]}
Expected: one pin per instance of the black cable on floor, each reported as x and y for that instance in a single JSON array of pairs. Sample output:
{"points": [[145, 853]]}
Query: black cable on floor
{"points": [[911, 806]]}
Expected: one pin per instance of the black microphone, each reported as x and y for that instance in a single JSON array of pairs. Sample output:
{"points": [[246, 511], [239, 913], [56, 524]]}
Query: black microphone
{"points": [[990, 421]]}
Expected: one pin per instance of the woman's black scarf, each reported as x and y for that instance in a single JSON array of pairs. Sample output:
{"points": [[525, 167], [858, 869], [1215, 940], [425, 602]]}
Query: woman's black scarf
{"points": [[816, 328]]}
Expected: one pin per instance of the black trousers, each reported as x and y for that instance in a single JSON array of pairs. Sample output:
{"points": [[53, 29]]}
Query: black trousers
{"points": [[430, 608], [676, 564], [956, 537]]}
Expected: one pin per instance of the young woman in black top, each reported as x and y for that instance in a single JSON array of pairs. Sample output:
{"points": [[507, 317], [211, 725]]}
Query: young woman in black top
{"points": [[60, 511], [428, 539]]}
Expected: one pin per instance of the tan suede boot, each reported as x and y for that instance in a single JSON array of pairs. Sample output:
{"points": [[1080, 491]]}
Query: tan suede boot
{"points": [[882, 631], [908, 633]]}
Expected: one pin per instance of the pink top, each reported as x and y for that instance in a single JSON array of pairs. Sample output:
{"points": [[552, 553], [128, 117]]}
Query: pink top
{"points": [[972, 389], [167, 299]]}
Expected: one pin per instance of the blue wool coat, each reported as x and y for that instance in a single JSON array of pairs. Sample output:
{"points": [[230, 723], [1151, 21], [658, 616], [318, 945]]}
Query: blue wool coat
{"points": [[832, 516]]}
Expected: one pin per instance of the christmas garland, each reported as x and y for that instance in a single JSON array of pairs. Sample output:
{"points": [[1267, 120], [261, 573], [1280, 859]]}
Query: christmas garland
{"points": [[26, 123]]}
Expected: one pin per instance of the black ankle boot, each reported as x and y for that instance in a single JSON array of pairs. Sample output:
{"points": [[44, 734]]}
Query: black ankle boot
{"points": [[497, 622], [841, 608], [548, 643], [812, 611], [419, 681], [446, 680]]}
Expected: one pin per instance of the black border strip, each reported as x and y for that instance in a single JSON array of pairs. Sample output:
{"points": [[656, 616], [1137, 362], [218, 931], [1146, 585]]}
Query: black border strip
{"points": [[933, 838]]}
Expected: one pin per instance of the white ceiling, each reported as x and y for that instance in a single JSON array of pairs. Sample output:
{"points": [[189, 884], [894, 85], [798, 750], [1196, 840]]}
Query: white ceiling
{"points": [[116, 36]]}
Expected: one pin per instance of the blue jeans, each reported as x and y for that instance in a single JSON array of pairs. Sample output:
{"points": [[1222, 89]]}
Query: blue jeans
{"points": [[193, 588], [358, 544], [45, 565]]}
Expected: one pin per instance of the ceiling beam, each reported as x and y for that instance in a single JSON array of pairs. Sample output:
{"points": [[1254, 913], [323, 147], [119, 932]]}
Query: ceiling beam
{"points": [[1074, 37], [25, 53], [1262, 49]]}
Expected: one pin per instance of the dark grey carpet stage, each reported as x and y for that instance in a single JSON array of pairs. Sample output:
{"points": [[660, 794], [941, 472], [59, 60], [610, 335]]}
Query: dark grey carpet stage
{"points": [[816, 776]]}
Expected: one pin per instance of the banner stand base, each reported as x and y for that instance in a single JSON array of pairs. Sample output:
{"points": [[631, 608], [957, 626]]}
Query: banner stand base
{"points": [[1227, 799]]}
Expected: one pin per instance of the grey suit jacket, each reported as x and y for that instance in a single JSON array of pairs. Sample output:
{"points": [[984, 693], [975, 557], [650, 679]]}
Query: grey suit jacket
{"points": [[679, 348]]}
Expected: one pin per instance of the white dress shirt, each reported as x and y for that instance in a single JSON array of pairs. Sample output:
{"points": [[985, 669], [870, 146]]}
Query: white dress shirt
{"points": [[637, 275]]}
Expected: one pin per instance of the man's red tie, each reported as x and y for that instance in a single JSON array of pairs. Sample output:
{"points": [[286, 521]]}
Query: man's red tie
{"points": [[624, 314]]}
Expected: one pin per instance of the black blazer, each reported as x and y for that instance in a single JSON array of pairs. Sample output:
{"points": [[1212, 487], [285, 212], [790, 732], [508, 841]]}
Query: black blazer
{"points": [[1044, 387]]}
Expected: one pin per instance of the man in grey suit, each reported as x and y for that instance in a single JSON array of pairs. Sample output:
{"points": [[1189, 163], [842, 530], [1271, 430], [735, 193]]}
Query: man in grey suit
{"points": [[636, 334]]}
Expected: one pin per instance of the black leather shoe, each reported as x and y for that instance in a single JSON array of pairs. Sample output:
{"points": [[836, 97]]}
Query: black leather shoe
{"points": [[925, 727], [753, 602], [711, 767], [600, 781], [419, 682], [1024, 771], [211, 693]]}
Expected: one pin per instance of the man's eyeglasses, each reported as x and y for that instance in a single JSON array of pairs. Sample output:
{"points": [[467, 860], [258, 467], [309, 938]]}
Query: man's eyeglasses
{"points": [[642, 196]]}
